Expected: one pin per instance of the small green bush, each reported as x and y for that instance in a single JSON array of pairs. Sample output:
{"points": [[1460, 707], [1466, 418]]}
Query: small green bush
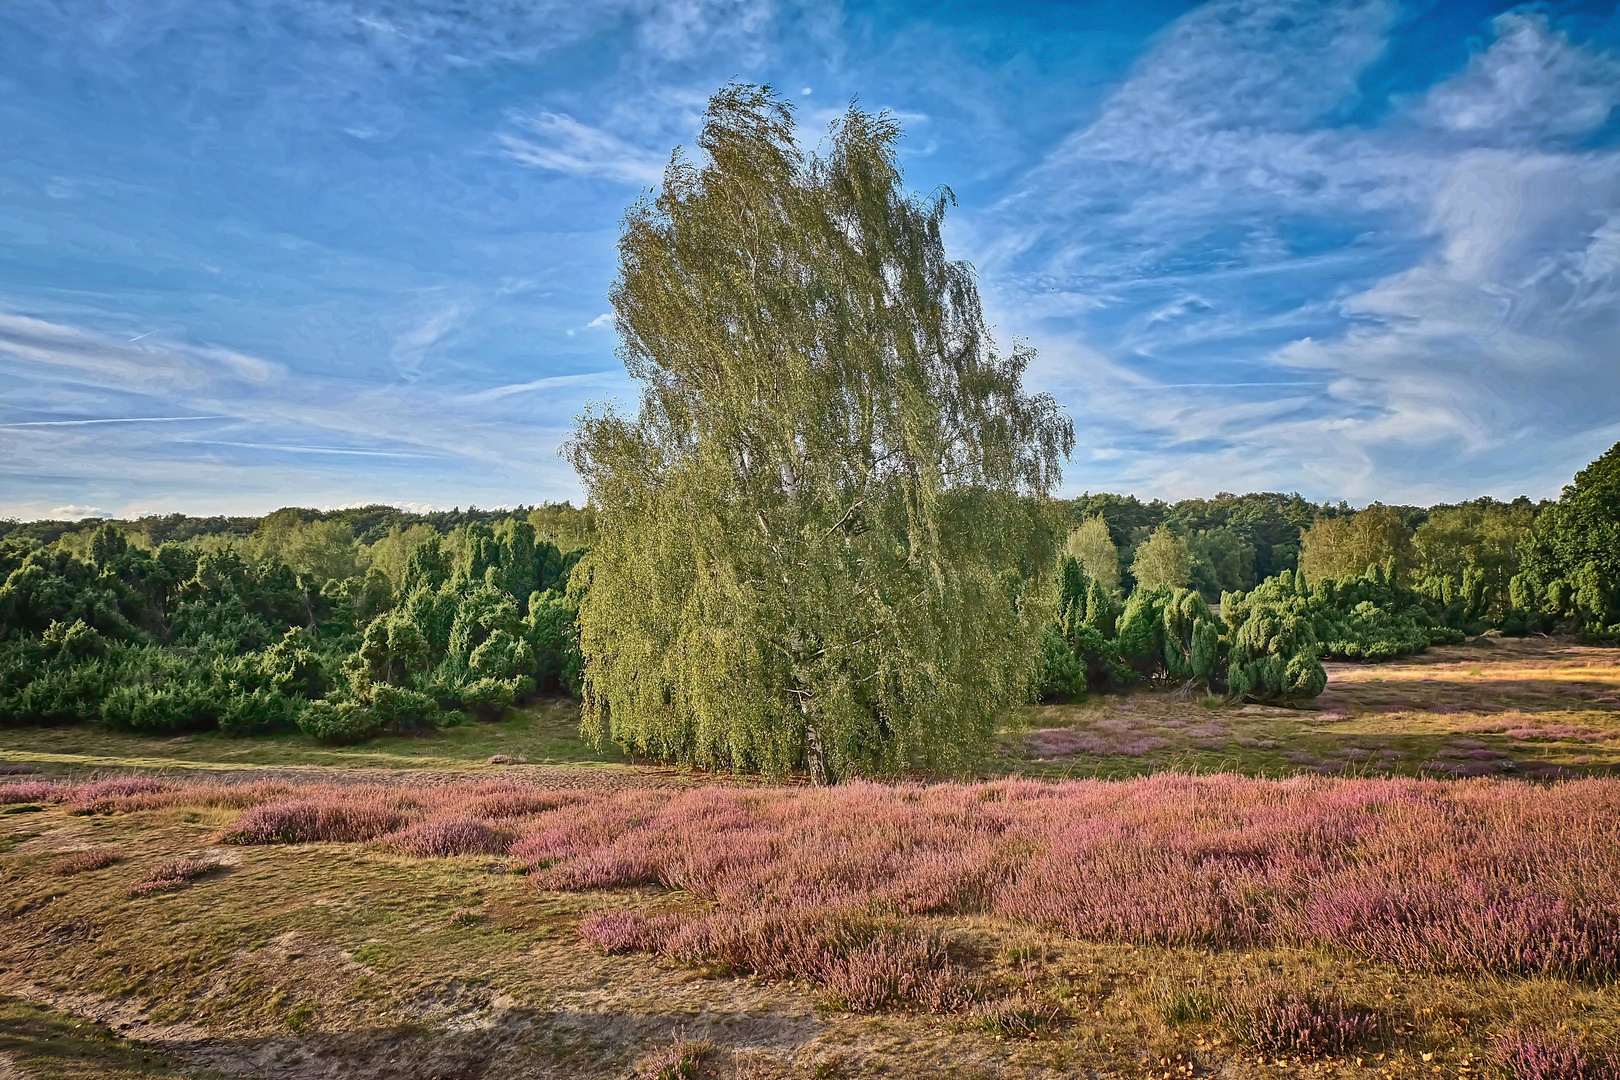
{"points": [[337, 721]]}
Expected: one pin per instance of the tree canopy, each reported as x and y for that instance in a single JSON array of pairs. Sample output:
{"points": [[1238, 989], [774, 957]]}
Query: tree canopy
{"points": [[812, 547], [1093, 548]]}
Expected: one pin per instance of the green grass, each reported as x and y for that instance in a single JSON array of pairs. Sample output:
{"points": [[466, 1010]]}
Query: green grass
{"points": [[546, 733], [1375, 719]]}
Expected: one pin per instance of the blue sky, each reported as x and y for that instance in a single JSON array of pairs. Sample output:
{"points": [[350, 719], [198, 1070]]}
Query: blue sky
{"points": [[281, 252]]}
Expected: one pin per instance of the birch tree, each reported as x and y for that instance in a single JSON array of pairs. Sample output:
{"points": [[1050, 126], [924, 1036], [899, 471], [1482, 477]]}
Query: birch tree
{"points": [[820, 542]]}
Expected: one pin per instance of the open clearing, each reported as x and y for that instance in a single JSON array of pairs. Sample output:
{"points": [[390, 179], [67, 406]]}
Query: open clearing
{"points": [[139, 936]]}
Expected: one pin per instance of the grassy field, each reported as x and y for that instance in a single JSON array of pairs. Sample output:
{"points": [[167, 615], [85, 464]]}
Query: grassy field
{"points": [[546, 733], [1532, 707], [359, 956]]}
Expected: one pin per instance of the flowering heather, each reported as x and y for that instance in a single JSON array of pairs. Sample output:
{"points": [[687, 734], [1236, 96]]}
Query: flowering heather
{"points": [[826, 884], [171, 875], [122, 794], [449, 836], [80, 861], [104, 796], [1534, 1054], [30, 791], [1467, 877], [1278, 1020], [301, 821]]}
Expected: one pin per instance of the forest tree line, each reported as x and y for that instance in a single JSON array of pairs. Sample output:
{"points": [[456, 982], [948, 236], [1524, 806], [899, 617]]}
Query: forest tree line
{"points": [[350, 622]]}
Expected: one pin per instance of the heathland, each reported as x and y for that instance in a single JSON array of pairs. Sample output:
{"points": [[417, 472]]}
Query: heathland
{"points": [[824, 741], [1410, 876]]}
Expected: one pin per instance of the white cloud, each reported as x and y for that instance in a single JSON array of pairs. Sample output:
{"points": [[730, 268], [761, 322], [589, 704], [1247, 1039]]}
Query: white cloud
{"points": [[614, 378], [577, 149], [55, 368], [411, 347], [1531, 83], [1485, 315], [77, 513]]}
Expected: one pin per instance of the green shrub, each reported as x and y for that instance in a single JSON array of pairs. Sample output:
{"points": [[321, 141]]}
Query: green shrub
{"points": [[337, 721], [174, 706]]}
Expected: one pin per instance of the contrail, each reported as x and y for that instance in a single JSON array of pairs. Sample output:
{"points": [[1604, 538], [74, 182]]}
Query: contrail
{"points": [[138, 337]]}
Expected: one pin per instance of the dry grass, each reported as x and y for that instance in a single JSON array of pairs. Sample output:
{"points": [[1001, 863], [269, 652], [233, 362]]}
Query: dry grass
{"points": [[42, 1043], [333, 954], [1531, 707]]}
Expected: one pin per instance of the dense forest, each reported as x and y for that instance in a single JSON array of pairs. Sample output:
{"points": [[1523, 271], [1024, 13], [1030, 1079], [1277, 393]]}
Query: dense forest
{"points": [[349, 622]]}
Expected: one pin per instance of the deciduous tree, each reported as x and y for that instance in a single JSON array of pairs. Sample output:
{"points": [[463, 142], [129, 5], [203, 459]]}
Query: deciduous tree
{"points": [[809, 539]]}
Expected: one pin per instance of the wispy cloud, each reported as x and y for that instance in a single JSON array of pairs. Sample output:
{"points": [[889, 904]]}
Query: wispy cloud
{"points": [[376, 236], [565, 145], [249, 422], [412, 346], [585, 379], [109, 420], [1471, 272]]}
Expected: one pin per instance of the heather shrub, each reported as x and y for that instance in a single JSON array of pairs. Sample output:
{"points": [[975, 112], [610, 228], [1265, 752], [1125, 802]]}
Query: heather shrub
{"points": [[171, 874], [1487, 921], [17, 770], [502, 799], [303, 821], [619, 932], [80, 861], [681, 1060], [825, 884], [449, 836], [106, 796], [1535, 1054], [32, 791], [860, 963], [1278, 1020], [1473, 877]]}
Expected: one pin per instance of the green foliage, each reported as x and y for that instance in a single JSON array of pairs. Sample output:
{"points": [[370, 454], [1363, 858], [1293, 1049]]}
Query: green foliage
{"points": [[1093, 548], [186, 636], [1569, 562], [811, 548], [1076, 651], [1344, 546], [1163, 559], [1163, 632], [552, 628], [1466, 559], [1272, 654], [337, 720], [1371, 617], [1222, 560]]}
